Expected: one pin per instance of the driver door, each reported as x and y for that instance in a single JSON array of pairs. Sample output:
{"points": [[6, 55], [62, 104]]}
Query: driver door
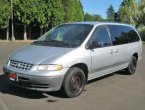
{"points": [[102, 55]]}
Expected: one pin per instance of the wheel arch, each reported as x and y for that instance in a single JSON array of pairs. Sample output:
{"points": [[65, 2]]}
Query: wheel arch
{"points": [[135, 55], [84, 67]]}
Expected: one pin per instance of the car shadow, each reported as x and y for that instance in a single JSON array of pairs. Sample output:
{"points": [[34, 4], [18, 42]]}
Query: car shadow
{"points": [[7, 88], [100, 78], [122, 72]]}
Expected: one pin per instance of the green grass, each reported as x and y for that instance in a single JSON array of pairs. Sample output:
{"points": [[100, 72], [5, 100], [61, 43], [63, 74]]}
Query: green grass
{"points": [[143, 42]]}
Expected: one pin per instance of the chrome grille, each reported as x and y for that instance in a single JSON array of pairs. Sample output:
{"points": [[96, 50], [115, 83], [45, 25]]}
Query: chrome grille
{"points": [[20, 65]]}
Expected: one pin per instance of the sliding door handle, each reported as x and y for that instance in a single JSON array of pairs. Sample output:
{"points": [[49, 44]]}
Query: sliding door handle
{"points": [[116, 50], [111, 51]]}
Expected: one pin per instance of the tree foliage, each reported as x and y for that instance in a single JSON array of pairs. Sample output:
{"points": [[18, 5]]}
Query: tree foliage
{"points": [[73, 10], [4, 13], [56, 12], [25, 11], [79, 14], [96, 17], [141, 19], [141, 13], [128, 12], [89, 17], [42, 13], [110, 13]]}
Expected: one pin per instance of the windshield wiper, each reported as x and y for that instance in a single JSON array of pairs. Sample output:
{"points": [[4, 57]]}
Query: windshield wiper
{"points": [[49, 42], [59, 42], [40, 42]]}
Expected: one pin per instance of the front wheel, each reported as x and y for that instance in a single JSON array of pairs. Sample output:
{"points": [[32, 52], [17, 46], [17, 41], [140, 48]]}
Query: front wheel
{"points": [[132, 66], [74, 82]]}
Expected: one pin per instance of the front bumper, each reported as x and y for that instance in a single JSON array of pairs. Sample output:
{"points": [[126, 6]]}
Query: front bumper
{"points": [[42, 83]]}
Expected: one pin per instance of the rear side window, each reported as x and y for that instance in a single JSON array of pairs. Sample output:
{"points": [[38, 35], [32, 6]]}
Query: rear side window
{"points": [[122, 34], [133, 36]]}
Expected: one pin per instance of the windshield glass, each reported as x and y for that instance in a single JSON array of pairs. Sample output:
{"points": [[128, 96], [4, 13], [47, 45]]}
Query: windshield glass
{"points": [[66, 35]]}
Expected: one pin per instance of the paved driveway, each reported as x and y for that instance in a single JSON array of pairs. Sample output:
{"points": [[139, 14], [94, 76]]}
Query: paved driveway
{"points": [[113, 92]]}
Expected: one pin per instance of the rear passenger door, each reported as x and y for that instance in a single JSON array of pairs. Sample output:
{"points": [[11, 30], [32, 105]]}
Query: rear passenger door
{"points": [[119, 35], [102, 55]]}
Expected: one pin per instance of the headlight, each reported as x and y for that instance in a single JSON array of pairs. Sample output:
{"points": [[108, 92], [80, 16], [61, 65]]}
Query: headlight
{"points": [[49, 67]]}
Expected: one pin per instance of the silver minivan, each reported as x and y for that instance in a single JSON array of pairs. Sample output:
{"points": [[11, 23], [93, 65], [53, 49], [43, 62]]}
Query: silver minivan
{"points": [[69, 55]]}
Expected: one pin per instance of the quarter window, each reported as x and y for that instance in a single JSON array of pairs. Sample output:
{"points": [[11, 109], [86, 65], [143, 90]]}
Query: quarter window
{"points": [[132, 36], [122, 34]]}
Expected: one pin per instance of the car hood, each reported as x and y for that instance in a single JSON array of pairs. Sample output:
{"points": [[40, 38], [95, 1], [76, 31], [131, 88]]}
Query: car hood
{"points": [[35, 54]]}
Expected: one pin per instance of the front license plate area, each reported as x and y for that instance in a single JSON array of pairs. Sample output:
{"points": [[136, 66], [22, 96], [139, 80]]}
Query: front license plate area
{"points": [[12, 76]]}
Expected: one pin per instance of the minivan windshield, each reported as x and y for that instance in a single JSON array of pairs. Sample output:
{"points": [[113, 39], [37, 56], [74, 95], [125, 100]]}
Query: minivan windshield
{"points": [[66, 35]]}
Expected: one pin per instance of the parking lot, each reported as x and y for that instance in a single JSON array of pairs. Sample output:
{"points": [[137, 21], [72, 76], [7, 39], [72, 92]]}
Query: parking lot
{"points": [[113, 92]]}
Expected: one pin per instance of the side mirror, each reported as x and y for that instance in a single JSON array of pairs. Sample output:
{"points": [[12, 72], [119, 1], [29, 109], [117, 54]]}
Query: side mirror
{"points": [[94, 44]]}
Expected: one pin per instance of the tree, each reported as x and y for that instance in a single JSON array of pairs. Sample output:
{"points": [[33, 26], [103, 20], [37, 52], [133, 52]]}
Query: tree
{"points": [[116, 17], [128, 12], [73, 10], [79, 14], [141, 13], [98, 18], [141, 19], [42, 15], [81, 11], [110, 13], [56, 12], [5, 16], [89, 17], [25, 11], [68, 10]]}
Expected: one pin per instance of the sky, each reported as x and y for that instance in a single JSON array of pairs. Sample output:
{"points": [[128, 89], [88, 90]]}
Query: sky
{"points": [[99, 6]]}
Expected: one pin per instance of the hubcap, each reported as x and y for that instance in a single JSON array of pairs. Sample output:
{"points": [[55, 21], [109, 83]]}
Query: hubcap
{"points": [[133, 65], [75, 84]]}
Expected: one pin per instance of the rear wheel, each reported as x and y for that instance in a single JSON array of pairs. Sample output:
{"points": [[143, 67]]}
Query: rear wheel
{"points": [[74, 82], [132, 66]]}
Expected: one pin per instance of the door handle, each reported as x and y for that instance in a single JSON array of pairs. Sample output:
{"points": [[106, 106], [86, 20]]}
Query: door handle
{"points": [[111, 51], [116, 50]]}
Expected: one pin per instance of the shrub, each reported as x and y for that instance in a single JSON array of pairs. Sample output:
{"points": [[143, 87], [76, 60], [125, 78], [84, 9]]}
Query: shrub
{"points": [[141, 30]]}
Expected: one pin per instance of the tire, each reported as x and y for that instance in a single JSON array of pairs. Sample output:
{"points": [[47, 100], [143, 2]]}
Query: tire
{"points": [[130, 70], [74, 82]]}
